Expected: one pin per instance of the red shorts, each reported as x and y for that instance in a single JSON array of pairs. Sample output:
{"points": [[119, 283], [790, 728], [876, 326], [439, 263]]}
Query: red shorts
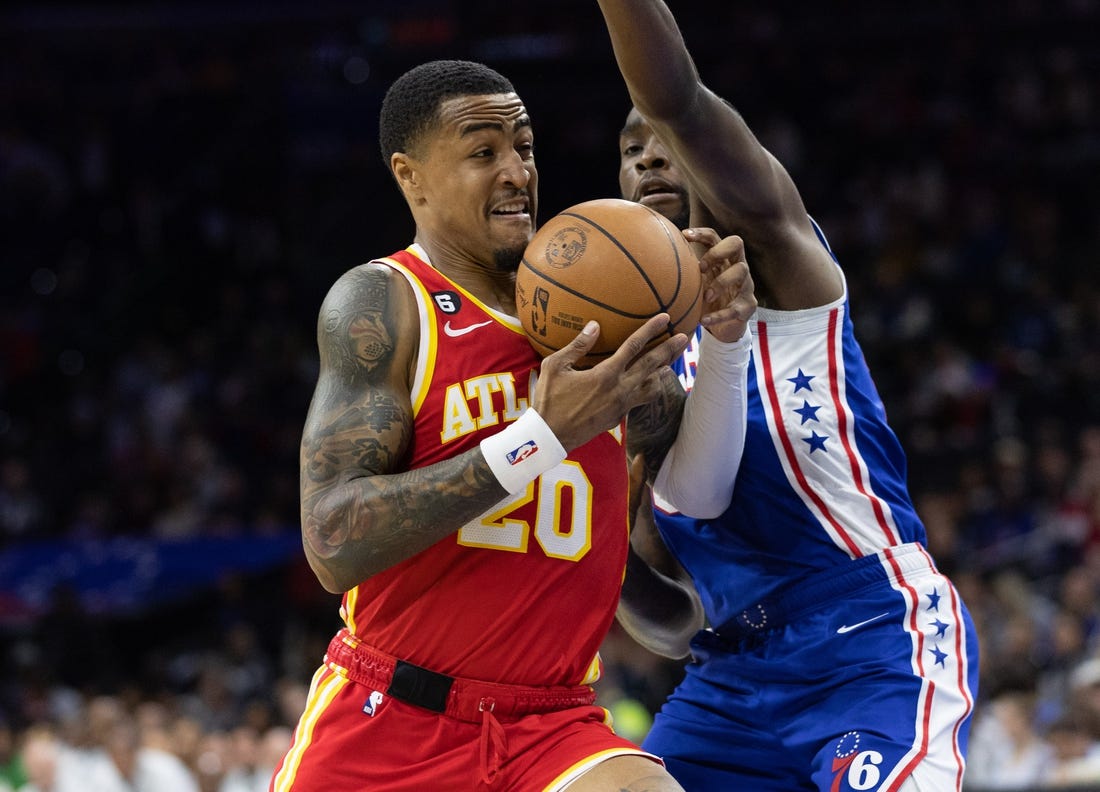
{"points": [[355, 736]]}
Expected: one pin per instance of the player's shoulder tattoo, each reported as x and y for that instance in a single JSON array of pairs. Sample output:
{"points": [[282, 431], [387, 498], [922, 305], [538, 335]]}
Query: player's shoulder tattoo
{"points": [[357, 327]]}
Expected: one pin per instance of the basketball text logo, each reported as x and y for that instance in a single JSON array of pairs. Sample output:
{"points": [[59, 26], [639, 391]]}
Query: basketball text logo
{"points": [[566, 247]]}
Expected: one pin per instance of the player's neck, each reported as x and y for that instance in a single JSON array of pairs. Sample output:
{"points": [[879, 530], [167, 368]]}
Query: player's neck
{"points": [[495, 288]]}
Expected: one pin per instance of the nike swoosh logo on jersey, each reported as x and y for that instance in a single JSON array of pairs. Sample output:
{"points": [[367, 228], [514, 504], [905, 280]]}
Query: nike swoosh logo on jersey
{"points": [[455, 332], [847, 628]]}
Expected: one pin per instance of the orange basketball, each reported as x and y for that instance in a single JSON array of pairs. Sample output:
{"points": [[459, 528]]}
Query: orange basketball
{"points": [[611, 260]]}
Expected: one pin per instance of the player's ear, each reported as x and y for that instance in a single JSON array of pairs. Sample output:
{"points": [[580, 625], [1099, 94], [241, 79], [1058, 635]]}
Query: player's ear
{"points": [[406, 171]]}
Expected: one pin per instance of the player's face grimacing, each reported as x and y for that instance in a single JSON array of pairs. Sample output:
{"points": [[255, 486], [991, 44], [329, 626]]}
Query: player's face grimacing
{"points": [[481, 184], [647, 175]]}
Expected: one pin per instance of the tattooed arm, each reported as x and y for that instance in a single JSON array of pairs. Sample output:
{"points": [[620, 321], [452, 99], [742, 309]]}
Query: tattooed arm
{"points": [[361, 513]]}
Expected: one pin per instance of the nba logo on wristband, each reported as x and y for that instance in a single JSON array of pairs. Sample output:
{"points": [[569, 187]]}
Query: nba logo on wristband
{"points": [[522, 451], [518, 455]]}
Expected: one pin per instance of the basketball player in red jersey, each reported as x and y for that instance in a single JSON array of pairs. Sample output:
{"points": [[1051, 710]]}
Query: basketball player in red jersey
{"points": [[475, 524]]}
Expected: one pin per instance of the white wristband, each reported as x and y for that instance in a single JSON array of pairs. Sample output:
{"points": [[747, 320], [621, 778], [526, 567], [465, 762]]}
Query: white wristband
{"points": [[522, 451]]}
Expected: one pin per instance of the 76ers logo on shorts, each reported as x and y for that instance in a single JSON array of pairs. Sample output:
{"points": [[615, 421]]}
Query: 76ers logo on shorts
{"points": [[858, 768]]}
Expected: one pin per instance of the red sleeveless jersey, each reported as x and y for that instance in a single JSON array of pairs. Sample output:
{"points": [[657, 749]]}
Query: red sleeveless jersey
{"points": [[525, 593]]}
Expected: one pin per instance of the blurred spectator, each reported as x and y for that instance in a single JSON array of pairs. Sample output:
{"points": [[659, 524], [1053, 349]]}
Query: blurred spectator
{"points": [[22, 513], [1005, 750], [41, 755], [1075, 738], [51, 766], [12, 775], [254, 757], [137, 768]]}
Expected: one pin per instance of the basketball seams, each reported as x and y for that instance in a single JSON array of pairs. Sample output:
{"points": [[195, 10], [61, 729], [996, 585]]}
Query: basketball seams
{"points": [[675, 320], [622, 294], [661, 307], [587, 297]]}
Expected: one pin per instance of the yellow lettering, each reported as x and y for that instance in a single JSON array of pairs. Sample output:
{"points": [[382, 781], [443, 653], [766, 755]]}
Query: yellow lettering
{"points": [[483, 388], [457, 420], [462, 414], [513, 407]]}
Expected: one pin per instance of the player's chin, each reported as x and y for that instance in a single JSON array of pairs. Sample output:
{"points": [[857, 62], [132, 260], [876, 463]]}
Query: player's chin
{"points": [[507, 258], [672, 205], [511, 238]]}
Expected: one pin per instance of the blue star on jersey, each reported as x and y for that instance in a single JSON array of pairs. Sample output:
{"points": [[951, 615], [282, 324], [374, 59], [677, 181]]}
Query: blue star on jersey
{"points": [[941, 657], [808, 412], [816, 442], [941, 628], [933, 601], [801, 381]]}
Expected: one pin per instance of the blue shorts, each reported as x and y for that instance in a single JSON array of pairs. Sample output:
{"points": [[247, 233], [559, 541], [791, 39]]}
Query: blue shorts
{"points": [[856, 679]]}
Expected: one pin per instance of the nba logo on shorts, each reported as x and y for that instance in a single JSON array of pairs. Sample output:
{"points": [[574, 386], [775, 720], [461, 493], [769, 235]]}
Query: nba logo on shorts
{"points": [[521, 453], [373, 702]]}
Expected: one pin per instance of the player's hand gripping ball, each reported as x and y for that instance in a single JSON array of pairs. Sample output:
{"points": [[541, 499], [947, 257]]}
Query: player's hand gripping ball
{"points": [[611, 260]]}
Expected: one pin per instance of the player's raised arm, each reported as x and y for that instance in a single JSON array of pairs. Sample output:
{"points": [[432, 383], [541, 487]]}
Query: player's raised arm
{"points": [[359, 516], [744, 189]]}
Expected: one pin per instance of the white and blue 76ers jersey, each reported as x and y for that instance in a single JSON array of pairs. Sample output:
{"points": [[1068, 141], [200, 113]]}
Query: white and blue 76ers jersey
{"points": [[823, 477]]}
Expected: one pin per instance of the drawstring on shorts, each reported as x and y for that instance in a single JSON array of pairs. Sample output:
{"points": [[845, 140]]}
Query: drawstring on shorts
{"points": [[494, 745]]}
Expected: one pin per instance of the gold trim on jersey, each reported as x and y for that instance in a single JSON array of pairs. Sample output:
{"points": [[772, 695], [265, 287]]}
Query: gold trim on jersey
{"points": [[429, 335], [511, 322]]}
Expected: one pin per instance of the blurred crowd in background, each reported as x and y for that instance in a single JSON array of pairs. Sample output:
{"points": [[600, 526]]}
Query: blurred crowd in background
{"points": [[180, 183]]}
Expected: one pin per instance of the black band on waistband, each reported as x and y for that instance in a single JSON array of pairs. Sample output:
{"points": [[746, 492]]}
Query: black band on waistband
{"points": [[420, 686]]}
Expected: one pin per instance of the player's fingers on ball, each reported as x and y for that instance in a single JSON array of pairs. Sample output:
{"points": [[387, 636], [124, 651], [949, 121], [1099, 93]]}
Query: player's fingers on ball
{"points": [[661, 355], [720, 292], [703, 240], [637, 341], [724, 252], [746, 298], [732, 277], [729, 247], [575, 349], [707, 237], [728, 284]]}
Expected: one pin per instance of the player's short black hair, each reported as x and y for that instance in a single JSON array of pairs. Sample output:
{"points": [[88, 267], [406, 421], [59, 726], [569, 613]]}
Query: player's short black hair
{"points": [[411, 105]]}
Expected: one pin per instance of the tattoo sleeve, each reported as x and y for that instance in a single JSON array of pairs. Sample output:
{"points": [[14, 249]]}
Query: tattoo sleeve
{"points": [[652, 427], [361, 511]]}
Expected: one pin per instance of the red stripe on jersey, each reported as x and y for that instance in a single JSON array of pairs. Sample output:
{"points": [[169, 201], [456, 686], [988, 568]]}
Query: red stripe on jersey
{"points": [[842, 423], [788, 448]]}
